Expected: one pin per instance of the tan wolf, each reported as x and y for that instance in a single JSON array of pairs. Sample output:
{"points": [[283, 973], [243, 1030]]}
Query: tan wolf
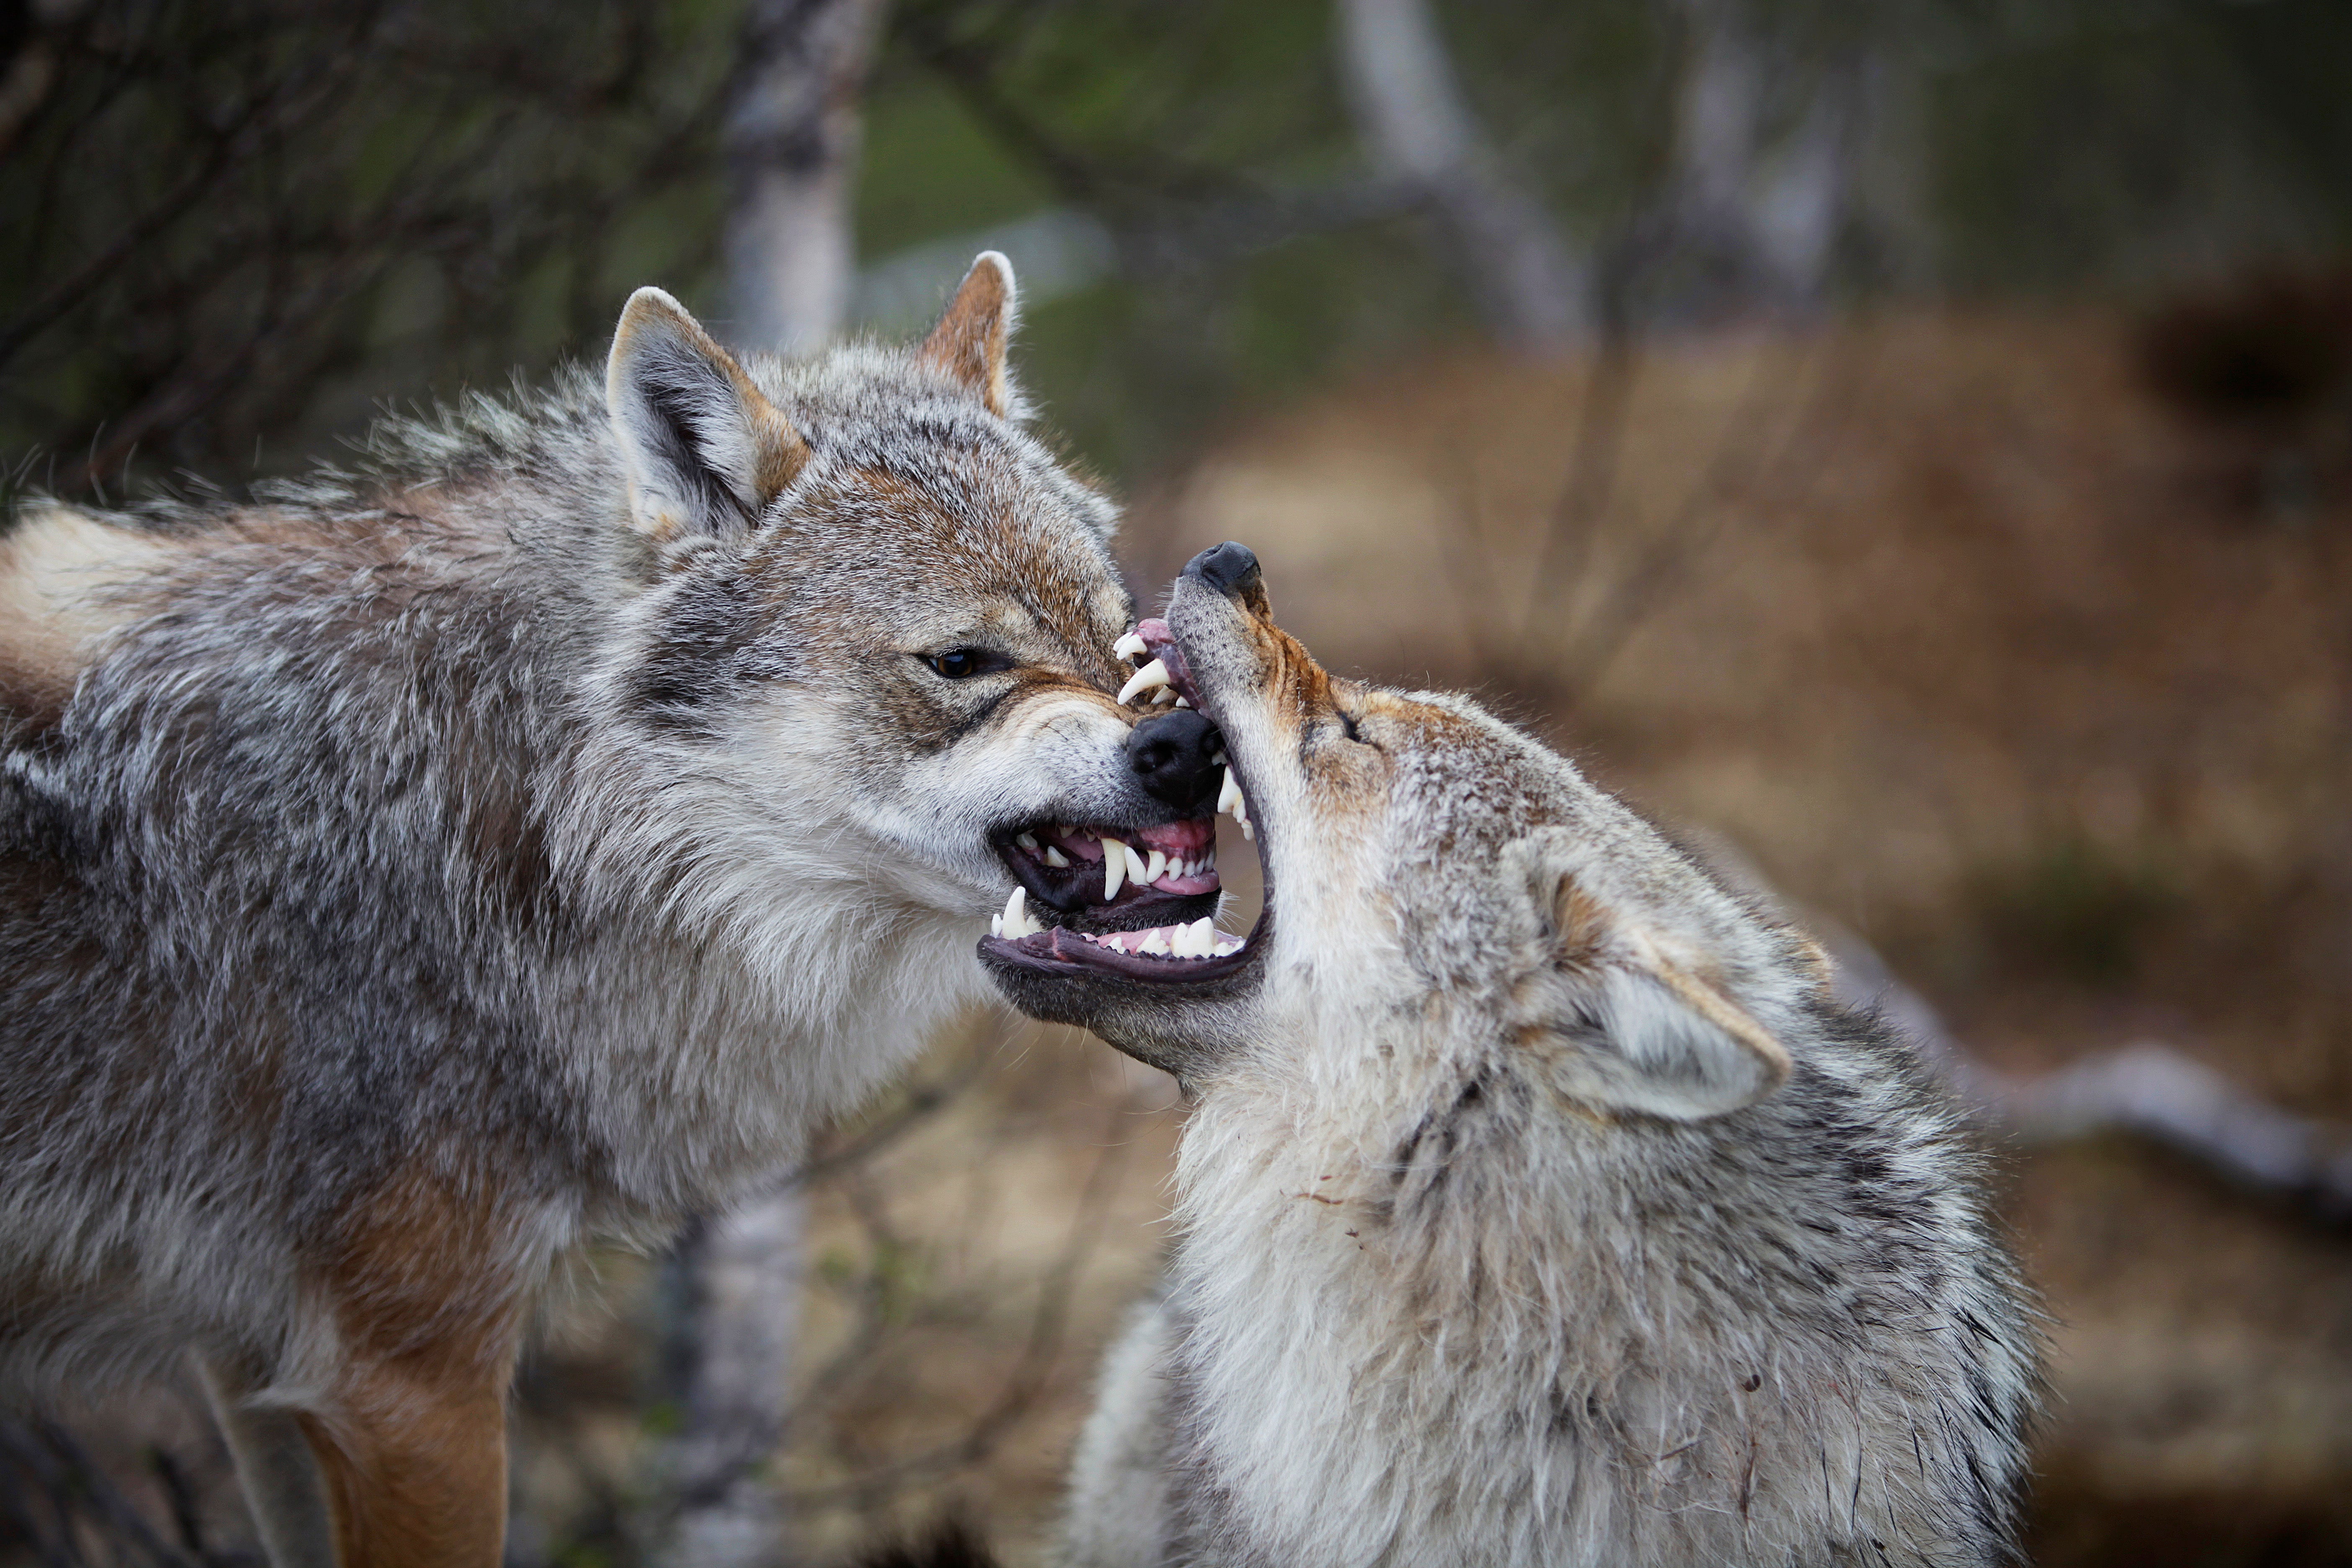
{"points": [[1538, 1205], [415, 872]]}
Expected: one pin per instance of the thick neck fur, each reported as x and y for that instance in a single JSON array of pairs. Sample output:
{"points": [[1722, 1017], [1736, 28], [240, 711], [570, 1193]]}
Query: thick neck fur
{"points": [[1428, 1312], [435, 819]]}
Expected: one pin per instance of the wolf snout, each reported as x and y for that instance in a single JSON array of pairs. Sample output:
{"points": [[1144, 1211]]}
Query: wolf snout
{"points": [[1229, 568], [1170, 753]]}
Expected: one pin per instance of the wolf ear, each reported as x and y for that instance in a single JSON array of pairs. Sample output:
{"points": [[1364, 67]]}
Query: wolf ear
{"points": [[704, 448], [971, 341], [1625, 1007]]}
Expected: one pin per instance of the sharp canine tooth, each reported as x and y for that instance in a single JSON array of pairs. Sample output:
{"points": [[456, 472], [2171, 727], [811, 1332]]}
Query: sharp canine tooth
{"points": [[1152, 677], [1154, 869], [1026, 840], [1114, 868], [1134, 867], [1015, 918], [1055, 856], [1129, 647]]}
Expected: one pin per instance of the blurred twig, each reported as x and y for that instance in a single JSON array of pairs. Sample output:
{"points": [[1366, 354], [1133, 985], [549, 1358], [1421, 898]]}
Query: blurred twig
{"points": [[1030, 1372], [2147, 1089]]}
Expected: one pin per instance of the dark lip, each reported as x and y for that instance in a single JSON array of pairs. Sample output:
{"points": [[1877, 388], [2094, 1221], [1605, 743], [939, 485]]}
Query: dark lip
{"points": [[1058, 954]]}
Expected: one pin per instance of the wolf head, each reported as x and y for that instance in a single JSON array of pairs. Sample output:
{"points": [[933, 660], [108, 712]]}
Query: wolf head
{"points": [[1428, 866], [874, 640]]}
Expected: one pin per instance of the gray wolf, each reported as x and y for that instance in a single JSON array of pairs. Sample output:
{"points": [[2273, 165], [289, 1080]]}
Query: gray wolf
{"points": [[417, 872], [1538, 1205]]}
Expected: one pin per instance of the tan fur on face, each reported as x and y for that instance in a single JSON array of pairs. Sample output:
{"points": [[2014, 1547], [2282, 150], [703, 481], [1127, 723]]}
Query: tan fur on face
{"points": [[54, 573]]}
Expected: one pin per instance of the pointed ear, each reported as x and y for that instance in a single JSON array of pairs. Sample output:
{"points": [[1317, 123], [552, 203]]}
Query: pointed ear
{"points": [[1629, 1004], [971, 341], [704, 448]]}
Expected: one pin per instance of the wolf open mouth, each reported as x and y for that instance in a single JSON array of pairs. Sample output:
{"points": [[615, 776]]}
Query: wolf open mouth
{"points": [[1066, 868]]}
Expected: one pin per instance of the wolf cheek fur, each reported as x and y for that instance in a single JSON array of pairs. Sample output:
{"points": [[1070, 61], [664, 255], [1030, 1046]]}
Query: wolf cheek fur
{"points": [[414, 873], [1538, 1206]]}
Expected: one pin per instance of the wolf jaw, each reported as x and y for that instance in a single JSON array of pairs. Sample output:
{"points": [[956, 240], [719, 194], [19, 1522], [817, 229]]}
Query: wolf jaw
{"points": [[1179, 858]]}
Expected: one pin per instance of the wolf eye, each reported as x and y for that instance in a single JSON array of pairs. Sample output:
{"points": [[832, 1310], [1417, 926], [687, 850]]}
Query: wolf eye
{"points": [[963, 663]]}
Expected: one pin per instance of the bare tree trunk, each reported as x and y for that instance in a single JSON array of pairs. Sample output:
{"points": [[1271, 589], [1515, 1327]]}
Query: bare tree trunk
{"points": [[1761, 189], [732, 1295], [792, 144], [731, 1291], [1412, 117]]}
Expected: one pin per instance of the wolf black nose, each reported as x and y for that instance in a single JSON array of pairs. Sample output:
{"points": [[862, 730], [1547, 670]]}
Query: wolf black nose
{"points": [[1170, 753], [1229, 568]]}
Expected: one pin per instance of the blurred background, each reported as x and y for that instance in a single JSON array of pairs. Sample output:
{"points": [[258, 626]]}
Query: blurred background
{"points": [[1905, 446]]}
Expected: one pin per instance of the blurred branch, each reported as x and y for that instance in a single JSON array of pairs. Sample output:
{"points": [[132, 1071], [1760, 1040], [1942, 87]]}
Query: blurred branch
{"points": [[62, 1502], [2145, 1090], [1039, 1352], [1420, 132], [1762, 175]]}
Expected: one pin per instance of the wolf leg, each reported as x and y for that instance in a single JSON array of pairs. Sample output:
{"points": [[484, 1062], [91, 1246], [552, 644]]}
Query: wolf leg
{"points": [[283, 1489], [415, 1465]]}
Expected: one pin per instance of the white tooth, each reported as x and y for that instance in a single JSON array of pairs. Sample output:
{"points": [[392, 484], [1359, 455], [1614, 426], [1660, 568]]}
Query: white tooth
{"points": [[1183, 702], [1129, 647], [1154, 869], [1247, 831], [996, 925], [1155, 941], [1017, 923], [1165, 697], [1114, 868], [1055, 856], [1227, 945], [1134, 867], [1027, 841], [1228, 794], [1199, 939], [1150, 678]]}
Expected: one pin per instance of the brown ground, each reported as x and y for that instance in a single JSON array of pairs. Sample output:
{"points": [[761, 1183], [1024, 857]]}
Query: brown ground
{"points": [[1968, 645]]}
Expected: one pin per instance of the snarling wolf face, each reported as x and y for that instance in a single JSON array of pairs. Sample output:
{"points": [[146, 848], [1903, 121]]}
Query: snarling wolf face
{"points": [[1429, 871], [870, 586]]}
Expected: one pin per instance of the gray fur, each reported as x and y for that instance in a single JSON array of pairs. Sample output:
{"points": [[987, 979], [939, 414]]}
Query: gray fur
{"points": [[455, 837], [1539, 1205]]}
